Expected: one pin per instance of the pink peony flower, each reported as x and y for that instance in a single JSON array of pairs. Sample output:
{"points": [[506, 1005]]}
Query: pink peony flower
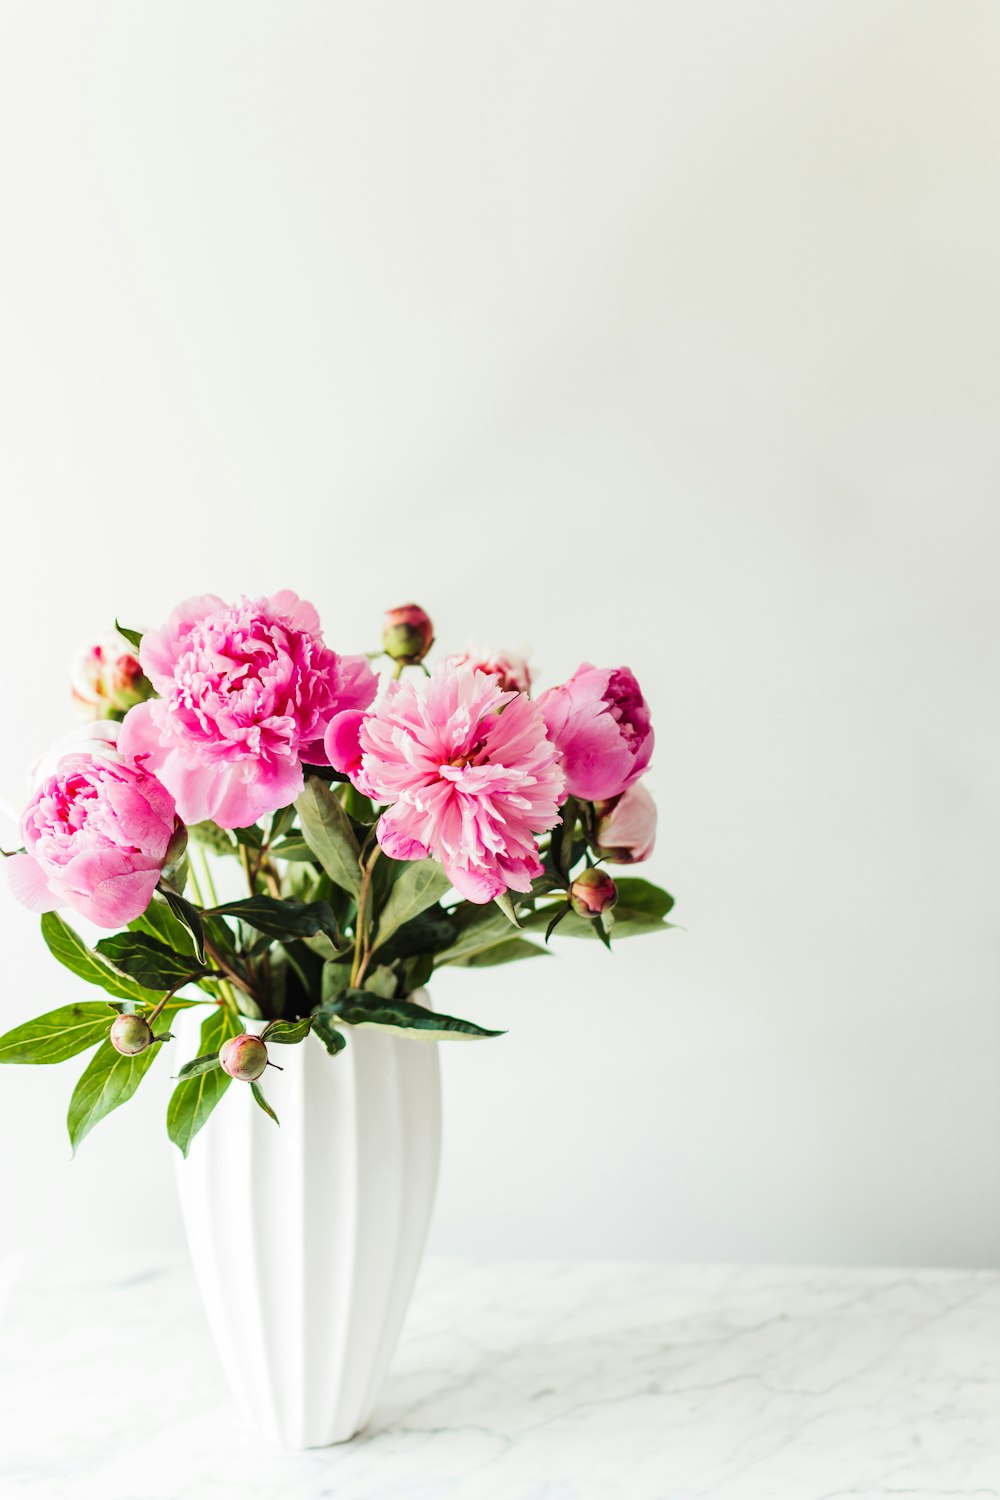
{"points": [[96, 836], [626, 827], [601, 724], [513, 671], [107, 679], [248, 690], [470, 775]]}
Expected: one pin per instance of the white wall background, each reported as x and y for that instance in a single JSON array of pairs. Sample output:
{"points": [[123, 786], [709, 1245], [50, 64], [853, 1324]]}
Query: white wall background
{"points": [[655, 332]]}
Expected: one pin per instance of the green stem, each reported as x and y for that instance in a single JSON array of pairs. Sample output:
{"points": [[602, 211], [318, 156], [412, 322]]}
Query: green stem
{"points": [[361, 953]]}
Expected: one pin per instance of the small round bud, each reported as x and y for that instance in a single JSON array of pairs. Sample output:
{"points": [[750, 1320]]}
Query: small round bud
{"points": [[592, 892], [130, 1034], [243, 1057], [407, 634]]}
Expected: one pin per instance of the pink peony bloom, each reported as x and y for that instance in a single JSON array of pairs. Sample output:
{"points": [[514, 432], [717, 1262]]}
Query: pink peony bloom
{"points": [[601, 724], [96, 835], [513, 671], [107, 679], [248, 690], [470, 775], [626, 827]]}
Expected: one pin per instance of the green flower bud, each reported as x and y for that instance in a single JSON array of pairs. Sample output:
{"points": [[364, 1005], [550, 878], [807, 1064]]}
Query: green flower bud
{"points": [[592, 892], [130, 1034], [243, 1057], [408, 634]]}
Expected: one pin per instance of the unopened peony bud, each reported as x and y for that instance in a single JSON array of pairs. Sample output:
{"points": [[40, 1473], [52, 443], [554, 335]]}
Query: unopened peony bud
{"points": [[592, 892], [626, 827], [407, 634], [130, 1035], [107, 679], [243, 1057]]}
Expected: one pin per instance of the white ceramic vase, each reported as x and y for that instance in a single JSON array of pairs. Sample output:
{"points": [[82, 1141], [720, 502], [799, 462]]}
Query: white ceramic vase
{"points": [[306, 1239]]}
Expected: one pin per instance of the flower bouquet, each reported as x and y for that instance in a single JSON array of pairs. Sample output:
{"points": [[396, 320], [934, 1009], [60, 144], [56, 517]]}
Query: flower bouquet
{"points": [[380, 831]]}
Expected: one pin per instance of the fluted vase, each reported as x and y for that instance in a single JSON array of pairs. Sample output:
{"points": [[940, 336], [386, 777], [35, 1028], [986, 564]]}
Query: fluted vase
{"points": [[306, 1238]]}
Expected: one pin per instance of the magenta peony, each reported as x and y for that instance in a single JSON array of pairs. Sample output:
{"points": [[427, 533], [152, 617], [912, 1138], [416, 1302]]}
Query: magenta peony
{"points": [[513, 671], [470, 775], [248, 690], [96, 835], [601, 724], [626, 827]]}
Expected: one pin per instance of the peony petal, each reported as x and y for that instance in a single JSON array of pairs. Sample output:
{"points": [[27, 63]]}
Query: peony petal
{"points": [[28, 884]]}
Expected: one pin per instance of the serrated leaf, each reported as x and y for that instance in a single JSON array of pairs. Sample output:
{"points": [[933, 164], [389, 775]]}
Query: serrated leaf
{"points": [[193, 1100], [134, 637], [287, 1032], [279, 918], [149, 961], [419, 885], [328, 832], [58, 1034], [359, 1008], [258, 1094], [72, 952], [108, 1081]]}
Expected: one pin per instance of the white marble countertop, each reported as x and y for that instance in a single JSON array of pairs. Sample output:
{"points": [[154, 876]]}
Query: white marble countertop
{"points": [[527, 1381]]}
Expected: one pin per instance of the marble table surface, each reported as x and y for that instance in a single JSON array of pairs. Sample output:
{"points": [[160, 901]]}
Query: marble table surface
{"points": [[528, 1381]]}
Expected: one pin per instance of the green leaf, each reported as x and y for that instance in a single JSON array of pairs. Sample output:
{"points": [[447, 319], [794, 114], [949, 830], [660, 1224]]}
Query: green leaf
{"points": [[149, 961], [381, 981], [642, 897], [294, 848], [561, 848], [357, 806], [287, 1032], [281, 822], [328, 832], [359, 1008], [108, 1080], [58, 1034], [333, 1040], [134, 637], [189, 917], [503, 953], [213, 837], [506, 905], [193, 1100], [336, 979], [281, 919], [420, 884], [72, 952], [433, 930], [478, 928], [627, 922], [562, 912], [414, 972], [198, 1065], [159, 922], [258, 1094], [252, 836]]}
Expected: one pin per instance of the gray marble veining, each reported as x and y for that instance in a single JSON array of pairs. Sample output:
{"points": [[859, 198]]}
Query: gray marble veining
{"points": [[527, 1381]]}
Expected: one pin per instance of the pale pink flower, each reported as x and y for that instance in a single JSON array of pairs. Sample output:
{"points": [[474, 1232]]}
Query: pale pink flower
{"points": [[601, 724], [96, 834], [248, 690], [626, 826], [512, 670], [470, 775], [106, 678]]}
